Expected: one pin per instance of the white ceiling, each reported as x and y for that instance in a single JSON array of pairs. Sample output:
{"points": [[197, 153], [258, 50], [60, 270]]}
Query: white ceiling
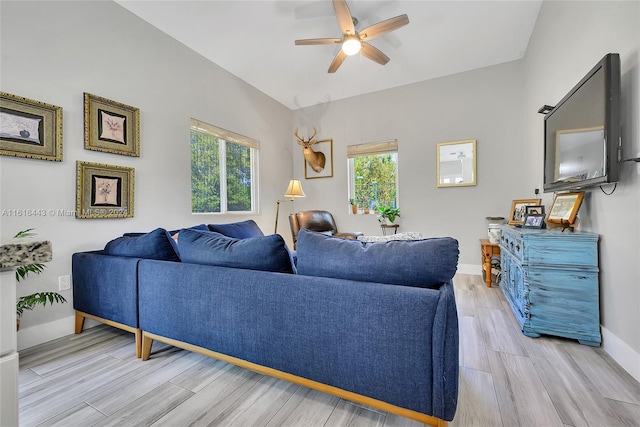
{"points": [[254, 40]]}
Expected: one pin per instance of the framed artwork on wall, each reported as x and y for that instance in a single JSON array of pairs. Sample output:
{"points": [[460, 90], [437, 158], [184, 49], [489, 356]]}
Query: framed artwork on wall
{"points": [[325, 147], [104, 191], [110, 126], [30, 128], [519, 210]]}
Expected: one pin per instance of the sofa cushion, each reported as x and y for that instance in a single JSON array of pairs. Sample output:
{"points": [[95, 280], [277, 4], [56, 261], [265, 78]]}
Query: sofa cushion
{"points": [[422, 263], [156, 244], [266, 253], [238, 230], [175, 235], [409, 235]]}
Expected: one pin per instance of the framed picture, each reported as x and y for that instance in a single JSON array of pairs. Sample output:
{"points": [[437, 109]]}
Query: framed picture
{"points": [[533, 221], [110, 126], [29, 128], [456, 163], [104, 191], [325, 147], [519, 210], [534, 210], [565, 208]]}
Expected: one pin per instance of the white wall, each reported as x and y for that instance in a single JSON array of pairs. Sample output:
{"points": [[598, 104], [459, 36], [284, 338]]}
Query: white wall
{"points": [[570, 38], [484, 104], [55, 51]]}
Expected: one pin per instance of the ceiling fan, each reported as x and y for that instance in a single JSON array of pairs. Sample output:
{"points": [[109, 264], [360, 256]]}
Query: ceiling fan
{"points": [[354, 41]]}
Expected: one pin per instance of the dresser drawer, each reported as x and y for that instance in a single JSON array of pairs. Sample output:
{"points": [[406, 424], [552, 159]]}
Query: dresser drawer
{"points": [[512, 242]]}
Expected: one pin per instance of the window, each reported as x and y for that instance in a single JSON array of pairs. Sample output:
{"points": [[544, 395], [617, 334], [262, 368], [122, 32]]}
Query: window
{"points": [[223, 170], [373, 174]]}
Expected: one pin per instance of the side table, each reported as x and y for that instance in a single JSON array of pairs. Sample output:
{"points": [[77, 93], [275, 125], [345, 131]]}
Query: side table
{"points": [[386, 227], [488, 250]]}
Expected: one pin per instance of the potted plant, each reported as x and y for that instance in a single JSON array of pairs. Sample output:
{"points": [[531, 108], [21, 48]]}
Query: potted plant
{"points": [[354, 206], [388, 213], [28, 302]]}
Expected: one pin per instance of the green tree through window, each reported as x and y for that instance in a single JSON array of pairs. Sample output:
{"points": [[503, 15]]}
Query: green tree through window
{"points": [[222, 170], [373, 174], [375, 180]]}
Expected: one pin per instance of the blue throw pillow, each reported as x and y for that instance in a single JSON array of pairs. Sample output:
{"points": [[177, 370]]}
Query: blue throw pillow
{"points": [[422, 263], [175, 236], [238, 230], [156, 244], [266, 253]]}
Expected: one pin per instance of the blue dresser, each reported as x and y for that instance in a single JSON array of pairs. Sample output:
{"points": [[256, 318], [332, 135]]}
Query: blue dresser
{"points": [[550, 280]]}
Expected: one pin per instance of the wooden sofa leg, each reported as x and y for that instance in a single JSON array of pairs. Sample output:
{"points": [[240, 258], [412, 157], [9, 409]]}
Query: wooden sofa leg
{"points": [[79, 322], [138, 335], [146, 346]]}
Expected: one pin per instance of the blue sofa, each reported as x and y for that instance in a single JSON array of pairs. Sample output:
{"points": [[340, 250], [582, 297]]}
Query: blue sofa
{"points": [[374, 323]]}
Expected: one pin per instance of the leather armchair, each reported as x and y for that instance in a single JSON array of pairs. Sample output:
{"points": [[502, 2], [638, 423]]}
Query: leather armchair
{"points": [[320, 221]]}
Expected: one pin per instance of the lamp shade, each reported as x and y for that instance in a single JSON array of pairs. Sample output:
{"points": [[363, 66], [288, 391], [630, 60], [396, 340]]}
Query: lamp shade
{"points": [[294, 189]]}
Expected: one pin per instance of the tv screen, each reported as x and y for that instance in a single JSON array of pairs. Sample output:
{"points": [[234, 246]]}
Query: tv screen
{"points": [[582, 132]]}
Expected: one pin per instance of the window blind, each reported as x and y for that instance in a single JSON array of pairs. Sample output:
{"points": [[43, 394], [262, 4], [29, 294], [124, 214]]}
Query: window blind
{"points": [[202, 127], [371, 148]]}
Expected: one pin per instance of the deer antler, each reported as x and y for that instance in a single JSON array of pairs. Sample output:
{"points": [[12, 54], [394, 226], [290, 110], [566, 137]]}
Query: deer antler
{"points": [[306, 142]]}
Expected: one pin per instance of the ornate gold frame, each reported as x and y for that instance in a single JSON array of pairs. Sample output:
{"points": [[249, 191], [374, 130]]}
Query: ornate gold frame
{"points": [[47, 145], [104, 191], [110, 126]]}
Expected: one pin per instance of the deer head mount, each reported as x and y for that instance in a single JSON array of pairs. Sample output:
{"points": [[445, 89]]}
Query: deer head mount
{"points": [[315, 159]]}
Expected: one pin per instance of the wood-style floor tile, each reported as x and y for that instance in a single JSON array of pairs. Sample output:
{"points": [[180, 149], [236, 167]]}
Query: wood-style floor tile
{"points": [[522, 397], [477, 403]]}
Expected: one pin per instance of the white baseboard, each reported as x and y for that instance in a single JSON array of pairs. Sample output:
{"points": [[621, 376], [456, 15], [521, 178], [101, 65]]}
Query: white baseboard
{"points": [[470, 269], [38, 334], [624, 355]]}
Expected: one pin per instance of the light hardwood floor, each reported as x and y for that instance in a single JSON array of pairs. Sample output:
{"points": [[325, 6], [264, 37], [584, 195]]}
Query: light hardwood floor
{"points": [[506, 379]]}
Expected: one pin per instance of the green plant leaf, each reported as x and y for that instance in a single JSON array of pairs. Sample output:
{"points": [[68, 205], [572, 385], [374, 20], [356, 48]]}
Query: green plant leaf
{"points": [[28, 302], [25, 233]]}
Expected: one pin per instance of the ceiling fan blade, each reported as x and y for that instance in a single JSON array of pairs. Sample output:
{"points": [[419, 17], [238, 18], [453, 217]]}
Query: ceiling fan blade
{"points": [[384, 27], [345, 21], [337, 61], [374, 54], [317, 41]]}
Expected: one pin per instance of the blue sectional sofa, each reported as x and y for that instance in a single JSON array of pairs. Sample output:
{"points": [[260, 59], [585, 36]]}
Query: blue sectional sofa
{"points": [[374, 323]]}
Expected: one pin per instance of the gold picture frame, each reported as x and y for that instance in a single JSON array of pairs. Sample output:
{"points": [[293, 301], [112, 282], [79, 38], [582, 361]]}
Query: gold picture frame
{"points": [[29, 128], [111, 127], [519, 210], [565, 208], [324, 146], [104, 191], [456, 163]]}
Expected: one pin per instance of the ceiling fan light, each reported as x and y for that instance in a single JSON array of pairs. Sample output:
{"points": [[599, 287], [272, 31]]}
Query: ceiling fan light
{"points": [[351, 46]]}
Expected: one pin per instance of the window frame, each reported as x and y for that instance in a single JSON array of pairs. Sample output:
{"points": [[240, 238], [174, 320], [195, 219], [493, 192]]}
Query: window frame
{"points": [[224, 137], [371, 149]]}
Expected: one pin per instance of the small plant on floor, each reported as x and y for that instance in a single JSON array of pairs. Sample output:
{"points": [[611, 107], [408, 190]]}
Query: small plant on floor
{"points": [[28, 302], [388, 213]]}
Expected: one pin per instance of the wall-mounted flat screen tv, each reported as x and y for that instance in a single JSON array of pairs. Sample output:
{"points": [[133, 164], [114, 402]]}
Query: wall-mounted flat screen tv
{"points": [[582, 132]]}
